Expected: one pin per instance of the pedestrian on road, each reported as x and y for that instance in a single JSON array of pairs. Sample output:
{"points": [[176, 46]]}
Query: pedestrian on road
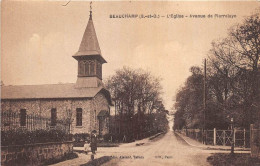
{"points": [[93, 143]]}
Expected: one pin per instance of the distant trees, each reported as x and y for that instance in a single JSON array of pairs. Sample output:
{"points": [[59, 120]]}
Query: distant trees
{"points": [[233, 78], [136, 94], [189, 99]]}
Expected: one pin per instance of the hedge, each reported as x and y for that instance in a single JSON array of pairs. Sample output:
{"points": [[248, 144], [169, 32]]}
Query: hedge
{"points": [[21, 137]]}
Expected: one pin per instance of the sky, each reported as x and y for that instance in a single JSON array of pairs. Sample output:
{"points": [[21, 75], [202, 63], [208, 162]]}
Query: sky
{"points": [[38, 38]]}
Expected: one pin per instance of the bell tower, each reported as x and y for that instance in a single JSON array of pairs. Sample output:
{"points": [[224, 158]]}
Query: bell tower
{"points": [[89, 58]]}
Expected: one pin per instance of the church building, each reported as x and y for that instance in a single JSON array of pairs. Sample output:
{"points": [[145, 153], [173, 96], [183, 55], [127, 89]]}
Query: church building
{"points": [[85, 103]]}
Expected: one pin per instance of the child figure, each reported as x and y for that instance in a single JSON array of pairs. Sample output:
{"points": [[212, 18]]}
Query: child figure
{"points": [[86, 146]]}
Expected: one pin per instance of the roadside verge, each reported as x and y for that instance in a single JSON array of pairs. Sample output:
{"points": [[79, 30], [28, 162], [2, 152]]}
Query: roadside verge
{"points": [[197, 144]]}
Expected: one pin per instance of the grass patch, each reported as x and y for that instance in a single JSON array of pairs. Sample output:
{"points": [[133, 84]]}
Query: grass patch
{"points": [[98, 161], [238, 159], [65, 157]]}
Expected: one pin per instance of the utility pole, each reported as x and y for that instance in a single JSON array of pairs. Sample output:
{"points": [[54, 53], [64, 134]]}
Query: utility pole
{"points": [[204, 101]]}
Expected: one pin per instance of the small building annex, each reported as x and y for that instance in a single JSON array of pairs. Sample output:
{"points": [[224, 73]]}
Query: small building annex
{"points": [[86, 101]]}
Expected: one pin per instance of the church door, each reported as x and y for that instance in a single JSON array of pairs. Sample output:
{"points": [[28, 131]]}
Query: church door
{"points": [[100, 119]]}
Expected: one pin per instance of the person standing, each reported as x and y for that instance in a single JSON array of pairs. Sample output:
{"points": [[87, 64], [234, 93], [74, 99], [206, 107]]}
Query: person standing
{"points": [[93, 143]]}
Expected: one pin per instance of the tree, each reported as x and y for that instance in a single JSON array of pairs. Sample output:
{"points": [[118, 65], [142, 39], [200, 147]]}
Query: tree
{"points": [[233, 81], [136, 93], [189, 99], [235, 65]]}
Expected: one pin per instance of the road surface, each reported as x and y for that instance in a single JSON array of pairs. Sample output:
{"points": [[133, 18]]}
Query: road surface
{"points": [[169, 150]]}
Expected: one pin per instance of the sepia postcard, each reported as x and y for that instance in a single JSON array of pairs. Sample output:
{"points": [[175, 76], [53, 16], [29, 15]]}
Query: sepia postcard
{"points": [[130, 83]]}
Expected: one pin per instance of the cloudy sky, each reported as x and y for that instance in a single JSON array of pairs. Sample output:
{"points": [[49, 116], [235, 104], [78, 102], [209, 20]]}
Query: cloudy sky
{"points": [[39, 38]]}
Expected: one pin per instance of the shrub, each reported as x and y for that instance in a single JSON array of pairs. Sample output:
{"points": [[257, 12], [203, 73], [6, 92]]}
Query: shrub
{"points": [[115, 137], [81, 137], [107, 137], [21, 137]]}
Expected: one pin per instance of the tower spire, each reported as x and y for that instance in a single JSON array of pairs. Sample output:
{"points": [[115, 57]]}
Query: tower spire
{"points": [[90, 11], [89, 58]]}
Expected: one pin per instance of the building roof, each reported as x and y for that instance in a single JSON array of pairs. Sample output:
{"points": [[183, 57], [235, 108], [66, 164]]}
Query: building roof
{"points": [[51, 91], [89, 45]]}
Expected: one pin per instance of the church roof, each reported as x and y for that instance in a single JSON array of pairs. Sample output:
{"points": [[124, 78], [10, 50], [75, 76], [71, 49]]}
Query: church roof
{"points": [[51, 91], [89, 45]]}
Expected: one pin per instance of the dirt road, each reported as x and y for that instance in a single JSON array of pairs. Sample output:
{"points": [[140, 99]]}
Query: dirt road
{"points": [[170, 150]]}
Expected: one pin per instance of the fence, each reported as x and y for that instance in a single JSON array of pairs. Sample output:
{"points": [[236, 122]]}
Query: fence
{"points": [[220, 137], [255, 141], [16, 121]]}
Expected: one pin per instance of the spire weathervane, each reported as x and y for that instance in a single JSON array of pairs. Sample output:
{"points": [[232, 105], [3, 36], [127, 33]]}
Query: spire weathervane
{"points": [[90, 16]]}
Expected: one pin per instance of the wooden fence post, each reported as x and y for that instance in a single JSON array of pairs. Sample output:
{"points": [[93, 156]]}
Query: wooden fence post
{"points": [[244, 137], [215, 137], [206, 137], [224, 138], [251, 138], [234, 137]]}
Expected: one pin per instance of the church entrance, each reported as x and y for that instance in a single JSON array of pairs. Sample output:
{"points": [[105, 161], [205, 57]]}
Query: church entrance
{"points": [[102, 120]]}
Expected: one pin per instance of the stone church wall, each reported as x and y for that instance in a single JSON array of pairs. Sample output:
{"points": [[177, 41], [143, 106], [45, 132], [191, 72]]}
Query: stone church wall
{"points": [[63, 106]]}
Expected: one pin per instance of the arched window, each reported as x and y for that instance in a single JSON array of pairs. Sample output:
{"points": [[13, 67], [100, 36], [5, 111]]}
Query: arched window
{"points": [[23, 117], [78, 116], [53, 117], [81, 67], [87, 68], [98, 69], [92, 68]]}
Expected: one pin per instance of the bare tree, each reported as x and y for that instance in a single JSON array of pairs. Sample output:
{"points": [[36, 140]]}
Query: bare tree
{"points": [[135, 93], [233, 79], [235, 60]]}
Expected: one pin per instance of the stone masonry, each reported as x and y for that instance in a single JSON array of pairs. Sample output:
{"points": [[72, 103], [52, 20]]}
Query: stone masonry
{"points": [[90, 110]]}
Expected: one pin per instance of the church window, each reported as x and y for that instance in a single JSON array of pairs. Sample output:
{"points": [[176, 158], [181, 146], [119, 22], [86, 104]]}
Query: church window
{"points": [[87, 68], [81, 68], [92, 68], [23, 117], [79, 117], [53, 116], [99, 69]]}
